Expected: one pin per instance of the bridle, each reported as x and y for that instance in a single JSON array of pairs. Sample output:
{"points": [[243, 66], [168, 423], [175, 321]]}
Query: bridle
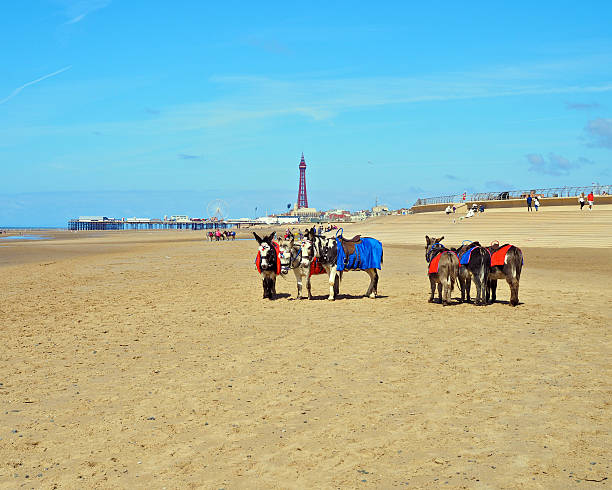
{"points": [[295, 257], [433, 250], [268, 253]]}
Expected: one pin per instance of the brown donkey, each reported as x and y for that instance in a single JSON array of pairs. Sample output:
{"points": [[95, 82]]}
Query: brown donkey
{"points": [[506, 263], [443, 269]]}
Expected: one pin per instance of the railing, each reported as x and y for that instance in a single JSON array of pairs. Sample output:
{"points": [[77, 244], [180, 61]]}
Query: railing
{"points": [[567, 191]]}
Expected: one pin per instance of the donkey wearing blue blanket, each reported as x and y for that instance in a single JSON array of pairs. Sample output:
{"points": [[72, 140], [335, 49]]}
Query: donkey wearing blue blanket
{"points": [[475, 263], [355, 254]]}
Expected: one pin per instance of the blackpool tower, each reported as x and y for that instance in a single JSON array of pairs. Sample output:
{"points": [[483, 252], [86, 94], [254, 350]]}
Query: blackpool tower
{"points": [[302, 200]]}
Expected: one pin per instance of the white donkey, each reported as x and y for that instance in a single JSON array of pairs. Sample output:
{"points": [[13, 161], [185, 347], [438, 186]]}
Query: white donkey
{"points": [[293, 259]]}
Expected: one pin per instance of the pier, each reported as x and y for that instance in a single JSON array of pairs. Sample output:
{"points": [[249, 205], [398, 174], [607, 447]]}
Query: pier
{"points": [[104, 223]]}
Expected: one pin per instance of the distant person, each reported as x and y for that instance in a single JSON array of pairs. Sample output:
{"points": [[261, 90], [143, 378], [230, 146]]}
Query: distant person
{"points": [[470, 213], [448, 210], [591, 199], [529, 200], [536, 203], [454, 209], [581, 200], [482, 208]]}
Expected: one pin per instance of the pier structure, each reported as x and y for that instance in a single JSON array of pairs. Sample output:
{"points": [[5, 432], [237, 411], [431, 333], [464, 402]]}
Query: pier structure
{"points": [[104, 223]]}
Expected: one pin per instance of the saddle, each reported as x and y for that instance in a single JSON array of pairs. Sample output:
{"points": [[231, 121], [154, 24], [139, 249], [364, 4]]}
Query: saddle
{"points": [[349, 245]]}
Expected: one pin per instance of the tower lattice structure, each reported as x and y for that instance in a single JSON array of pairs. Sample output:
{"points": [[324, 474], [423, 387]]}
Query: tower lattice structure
{"points": [[302, 200]]}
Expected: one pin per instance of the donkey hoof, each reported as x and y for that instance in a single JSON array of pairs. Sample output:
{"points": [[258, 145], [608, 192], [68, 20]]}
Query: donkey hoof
{"points": [[373, 296], [430, 300], [331, 298]]}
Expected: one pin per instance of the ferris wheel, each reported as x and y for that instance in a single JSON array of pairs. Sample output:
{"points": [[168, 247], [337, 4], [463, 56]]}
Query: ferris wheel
{"points": [[217, 208]]}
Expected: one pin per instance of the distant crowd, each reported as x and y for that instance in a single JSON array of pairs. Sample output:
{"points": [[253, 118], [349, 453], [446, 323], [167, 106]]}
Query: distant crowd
{"points": [[217, 235], [301, 234]]}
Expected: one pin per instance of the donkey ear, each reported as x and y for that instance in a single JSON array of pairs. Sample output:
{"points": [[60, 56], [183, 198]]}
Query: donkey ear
{"points": [[441, 238], [427, 239], [272, 236], [258, 238]]}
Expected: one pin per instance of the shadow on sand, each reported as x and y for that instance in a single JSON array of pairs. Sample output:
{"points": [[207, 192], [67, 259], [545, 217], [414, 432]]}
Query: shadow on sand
{"points": [[343, 296]]}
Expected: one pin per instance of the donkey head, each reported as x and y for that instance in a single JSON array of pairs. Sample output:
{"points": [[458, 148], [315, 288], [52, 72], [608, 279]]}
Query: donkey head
{"points": [[430, 241], [286, 248], [432, 244], [329, 251], [309, 251], [266, 251]]}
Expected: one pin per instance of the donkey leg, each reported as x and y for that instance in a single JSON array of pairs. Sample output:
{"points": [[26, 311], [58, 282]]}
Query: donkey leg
{"points": [[468, 287], [272, 288], [266, 290], [371, 285], [337, 285], [298, 279], [493, 290], [332, 283], [440, 292], [308, 277], [514, 288], [446, 291], [433, 290], [478, 284], [375, 288]]}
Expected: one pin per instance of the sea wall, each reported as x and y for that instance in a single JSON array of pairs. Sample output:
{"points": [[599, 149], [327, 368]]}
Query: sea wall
{"points": [[511, 203]]}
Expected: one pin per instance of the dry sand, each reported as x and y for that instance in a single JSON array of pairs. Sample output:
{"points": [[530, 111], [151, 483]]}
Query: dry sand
{"points": [[149, 359]]}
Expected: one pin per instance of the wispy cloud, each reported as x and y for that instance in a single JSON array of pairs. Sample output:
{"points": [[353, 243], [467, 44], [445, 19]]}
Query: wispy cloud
{"points": [[19, 89], [578, 106], [451, 177], [554, 164], [185, 156], [268, 45], [498, 184], [77, 10], [600, 132], [322, 99]]}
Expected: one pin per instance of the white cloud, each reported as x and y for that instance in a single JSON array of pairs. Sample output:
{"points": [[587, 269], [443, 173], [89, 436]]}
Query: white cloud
{"points": [[19, 89], [600, 132], [77, 10], [554, 164]]}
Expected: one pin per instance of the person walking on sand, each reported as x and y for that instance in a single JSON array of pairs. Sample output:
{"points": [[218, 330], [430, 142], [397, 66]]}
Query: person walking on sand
{"points": [[590, 198], [536, 202], [529, 203], [581, 201]]}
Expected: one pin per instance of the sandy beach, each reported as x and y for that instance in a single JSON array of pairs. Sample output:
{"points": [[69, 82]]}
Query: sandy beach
{"points": [[149, 359]]}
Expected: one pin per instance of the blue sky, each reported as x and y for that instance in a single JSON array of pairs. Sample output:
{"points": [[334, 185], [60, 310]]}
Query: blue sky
{"points": [[149, 108]]}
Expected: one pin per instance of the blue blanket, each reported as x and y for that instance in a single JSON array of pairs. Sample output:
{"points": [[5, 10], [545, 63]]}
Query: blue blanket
{"points": [[465, 258], [368, 255]]}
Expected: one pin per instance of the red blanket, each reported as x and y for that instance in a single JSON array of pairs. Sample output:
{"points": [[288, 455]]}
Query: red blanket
{"points": [[278, 261], [433, 265], [499, 257], [316, 268]]}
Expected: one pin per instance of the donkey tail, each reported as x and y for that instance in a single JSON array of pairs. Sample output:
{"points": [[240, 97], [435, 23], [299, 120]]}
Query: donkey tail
{"points": [[453, 271]]}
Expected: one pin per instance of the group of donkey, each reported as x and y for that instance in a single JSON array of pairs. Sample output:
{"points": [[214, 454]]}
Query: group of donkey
{"points": [[317, 254], [472, 261]]}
